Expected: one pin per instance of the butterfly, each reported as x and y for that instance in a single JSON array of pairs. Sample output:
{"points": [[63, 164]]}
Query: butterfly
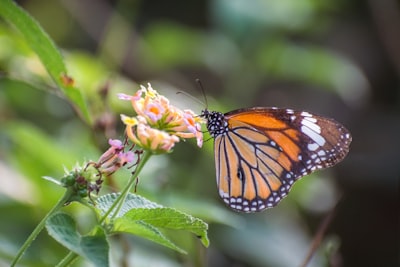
{"points": [[260, 152]]}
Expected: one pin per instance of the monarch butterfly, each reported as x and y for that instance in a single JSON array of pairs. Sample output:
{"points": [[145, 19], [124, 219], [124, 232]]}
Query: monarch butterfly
{"points": [[260, 152]]}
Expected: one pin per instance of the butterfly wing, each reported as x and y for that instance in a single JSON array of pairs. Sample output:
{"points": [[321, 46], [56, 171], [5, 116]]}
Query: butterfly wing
{"points": [[263, 151]]}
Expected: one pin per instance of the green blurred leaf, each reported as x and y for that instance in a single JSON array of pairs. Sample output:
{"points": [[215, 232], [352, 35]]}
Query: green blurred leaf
{"points": [[35, 154], [169, 44], [62, 228], [141, 217], [311, 64], [47, 51], [37, 147], [243, 20]]}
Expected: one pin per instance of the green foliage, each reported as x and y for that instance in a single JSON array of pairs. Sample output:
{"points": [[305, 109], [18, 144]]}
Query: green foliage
{"points": [[137, 216], [94, 248], [142, 217], [39, 154]]}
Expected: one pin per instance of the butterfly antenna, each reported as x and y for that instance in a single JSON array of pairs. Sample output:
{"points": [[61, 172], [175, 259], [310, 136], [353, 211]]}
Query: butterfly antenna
{"points": [[205, 103], [202, 91], [190, 96]]}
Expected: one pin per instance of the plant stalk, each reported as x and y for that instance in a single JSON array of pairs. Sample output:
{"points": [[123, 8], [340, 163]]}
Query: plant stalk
{"points": [[41, 225], [117, 205]]}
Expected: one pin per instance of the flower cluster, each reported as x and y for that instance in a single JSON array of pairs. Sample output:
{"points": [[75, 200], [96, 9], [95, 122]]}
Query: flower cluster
{"points": [[158, 125]]}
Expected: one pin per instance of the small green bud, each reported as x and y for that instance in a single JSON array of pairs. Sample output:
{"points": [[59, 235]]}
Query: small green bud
{"points": [[83, 192], [69, 180]]}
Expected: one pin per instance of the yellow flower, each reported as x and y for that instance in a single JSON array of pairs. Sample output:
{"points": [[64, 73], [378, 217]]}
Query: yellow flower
{"points": [[158, 125]]}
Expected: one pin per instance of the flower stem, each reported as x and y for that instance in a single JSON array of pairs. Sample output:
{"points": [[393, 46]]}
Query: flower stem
{"points": [[69, 259], [117, 205], [41, 225]]}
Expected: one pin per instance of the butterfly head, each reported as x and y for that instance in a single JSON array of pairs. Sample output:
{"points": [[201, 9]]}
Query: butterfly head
{"points": [[216, 123]]}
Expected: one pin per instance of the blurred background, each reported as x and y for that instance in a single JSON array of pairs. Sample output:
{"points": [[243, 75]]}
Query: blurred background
{"points": [[340, 59]]}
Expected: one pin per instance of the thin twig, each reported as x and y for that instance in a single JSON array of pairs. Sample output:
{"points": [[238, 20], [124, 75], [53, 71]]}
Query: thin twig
{"points": [[320, 235]]}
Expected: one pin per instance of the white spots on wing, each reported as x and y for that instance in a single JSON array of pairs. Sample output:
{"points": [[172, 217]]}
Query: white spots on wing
{"points": [[311, 123], [317, 138], [305, 114], [223, 194], [236, 207], [311, 129], [312, 147], [310, 119]]}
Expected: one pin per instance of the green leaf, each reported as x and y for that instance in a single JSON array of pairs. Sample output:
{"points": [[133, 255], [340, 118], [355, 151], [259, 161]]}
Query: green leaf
{"points": [[53, 180], [142, 217], [62, 228], [46, 50], [145, 230], [94, 248], [171, 219], [132, 201]]}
